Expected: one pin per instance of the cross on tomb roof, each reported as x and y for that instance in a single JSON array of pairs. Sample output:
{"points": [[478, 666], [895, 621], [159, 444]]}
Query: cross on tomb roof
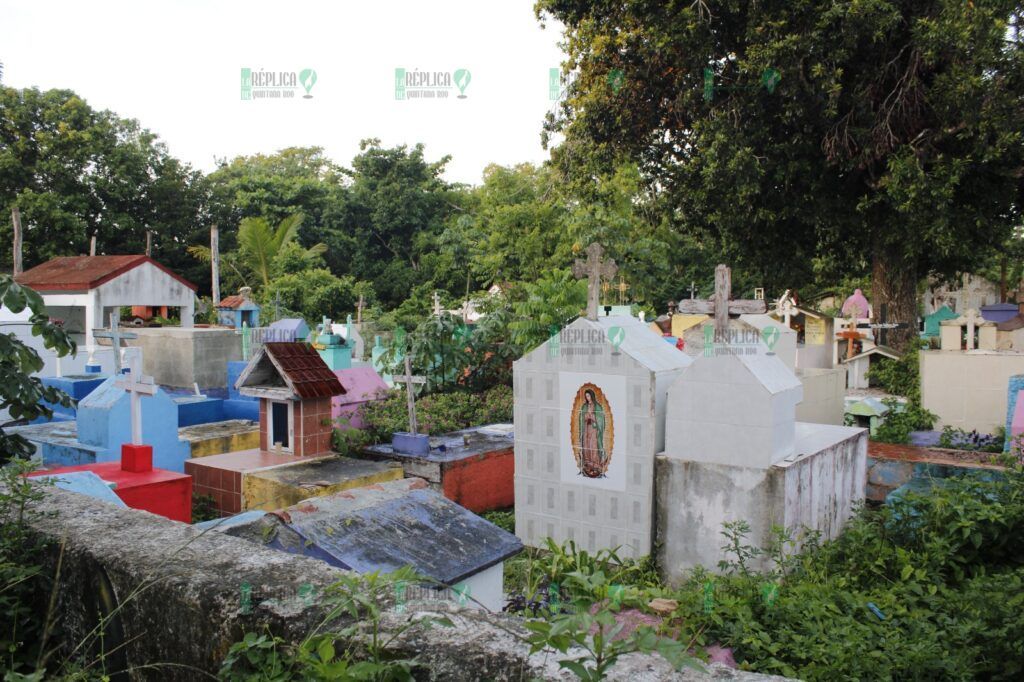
{"points": [[720, 306], [115, 335], [594, 269], [137, 385]]}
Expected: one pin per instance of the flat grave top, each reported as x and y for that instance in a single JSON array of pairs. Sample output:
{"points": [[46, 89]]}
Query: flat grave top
{"points": [[111, 472], [457, 445], [221, 429], [251, 460], [330, 471]]}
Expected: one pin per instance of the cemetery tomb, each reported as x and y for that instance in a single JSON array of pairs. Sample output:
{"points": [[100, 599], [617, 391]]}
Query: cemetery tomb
{"points": [[474, 468], [734, 451], [968, 390], [282, 486], [589, 418], [933, 320], [138, 484], [999, 312], [239, 310], [289, 329], [350, 333], [78, 289], [182, 358], [390, 525], [1014, 412], [362, 385], [103, 424], [857, 366], [225, 477], [332, 347], [295, 388], [84, 483], [214, 438]]}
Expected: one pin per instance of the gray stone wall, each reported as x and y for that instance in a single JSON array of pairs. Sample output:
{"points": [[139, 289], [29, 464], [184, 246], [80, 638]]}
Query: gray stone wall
{"points": [[174, 356], [175, 597]]}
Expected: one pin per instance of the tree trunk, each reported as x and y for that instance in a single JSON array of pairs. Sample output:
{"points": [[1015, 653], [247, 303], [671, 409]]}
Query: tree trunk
{"points": [[894, 284]]}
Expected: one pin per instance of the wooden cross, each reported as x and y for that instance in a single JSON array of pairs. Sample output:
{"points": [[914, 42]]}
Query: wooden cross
{"points": [[410, 394], [359, 310], [720, 306], [693, 290], [593, 268], [137, 385], [115, 335]]}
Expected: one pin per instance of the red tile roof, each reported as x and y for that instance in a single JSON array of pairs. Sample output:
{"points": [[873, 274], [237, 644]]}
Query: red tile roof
{"points": [[231, 301], [308, 374], [82, 273]]}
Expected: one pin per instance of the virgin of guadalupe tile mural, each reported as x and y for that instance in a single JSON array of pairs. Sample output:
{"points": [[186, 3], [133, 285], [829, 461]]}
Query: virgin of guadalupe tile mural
{"points": [[592, 428], [592, 405]]}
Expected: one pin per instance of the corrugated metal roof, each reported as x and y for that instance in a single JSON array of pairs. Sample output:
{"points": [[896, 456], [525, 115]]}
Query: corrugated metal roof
{"points": [[82, 273], [304, 370]]}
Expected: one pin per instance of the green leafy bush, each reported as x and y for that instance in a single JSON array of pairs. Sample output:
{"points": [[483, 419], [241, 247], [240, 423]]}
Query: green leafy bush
{"points": [[928, 587], [437, 413], [901, 420]]}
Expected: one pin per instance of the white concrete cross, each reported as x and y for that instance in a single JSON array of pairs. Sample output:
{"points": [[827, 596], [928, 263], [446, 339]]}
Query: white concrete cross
{"points": [[437, 304], [593, 269], [410, 394], [115, 335], [137, 385]]}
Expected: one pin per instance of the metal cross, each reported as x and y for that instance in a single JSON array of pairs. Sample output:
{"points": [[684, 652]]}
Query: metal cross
{"points": [[410, 394], [594, 269], [115, 335], [137, 385]]}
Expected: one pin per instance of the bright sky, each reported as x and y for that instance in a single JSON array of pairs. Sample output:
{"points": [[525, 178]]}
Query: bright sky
{"points": [[175, 65]]}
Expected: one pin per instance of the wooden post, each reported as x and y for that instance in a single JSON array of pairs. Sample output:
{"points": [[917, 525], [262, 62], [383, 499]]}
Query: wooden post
{"points": [[215, 263], [723, 285], [92, 246], [16, 221], [149, 243], [411, 397]]}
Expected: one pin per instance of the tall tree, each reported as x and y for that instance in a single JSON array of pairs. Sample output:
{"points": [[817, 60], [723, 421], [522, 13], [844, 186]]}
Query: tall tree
{"points": [[75, 172], [808, 137]]}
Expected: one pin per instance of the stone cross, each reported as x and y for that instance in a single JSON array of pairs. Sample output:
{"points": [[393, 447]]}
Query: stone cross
{"points": [[115, 335], [437, 304], [720, 306], [137, 385], [410, 394], [693, 290], [594, 268]]}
